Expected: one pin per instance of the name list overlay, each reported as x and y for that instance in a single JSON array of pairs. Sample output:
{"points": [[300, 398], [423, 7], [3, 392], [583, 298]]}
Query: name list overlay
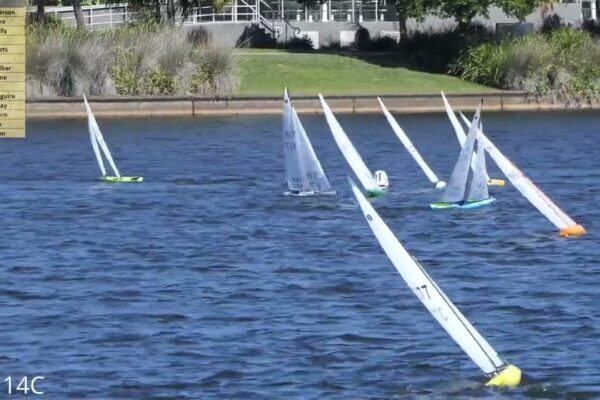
{"points": [[12, 68]]}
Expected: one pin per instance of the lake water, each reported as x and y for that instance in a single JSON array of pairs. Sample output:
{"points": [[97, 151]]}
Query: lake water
{"points": [[206, 282]]}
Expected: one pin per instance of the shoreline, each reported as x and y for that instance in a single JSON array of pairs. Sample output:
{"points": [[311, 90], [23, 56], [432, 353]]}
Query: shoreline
{"points": [[189, 106]]}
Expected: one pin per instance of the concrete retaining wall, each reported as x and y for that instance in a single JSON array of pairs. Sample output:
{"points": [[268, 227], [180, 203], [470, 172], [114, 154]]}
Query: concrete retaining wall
{"points": [[190, 107]]}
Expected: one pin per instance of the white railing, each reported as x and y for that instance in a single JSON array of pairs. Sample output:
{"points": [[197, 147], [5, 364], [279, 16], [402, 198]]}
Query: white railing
{"points": [[257, 11]]}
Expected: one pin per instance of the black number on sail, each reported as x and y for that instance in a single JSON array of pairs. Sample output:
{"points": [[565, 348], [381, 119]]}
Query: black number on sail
{"points": [[289, 134], [290, 146], [421, 291]]}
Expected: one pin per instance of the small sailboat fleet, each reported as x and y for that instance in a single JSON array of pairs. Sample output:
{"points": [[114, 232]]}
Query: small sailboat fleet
{"points": [[467, 189], [99, 143]]}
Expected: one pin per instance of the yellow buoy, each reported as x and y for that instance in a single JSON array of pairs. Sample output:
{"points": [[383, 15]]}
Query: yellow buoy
{"points": [[510, 376]]}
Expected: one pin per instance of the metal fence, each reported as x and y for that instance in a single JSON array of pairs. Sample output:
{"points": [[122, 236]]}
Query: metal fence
{"points": [[109, 16]]}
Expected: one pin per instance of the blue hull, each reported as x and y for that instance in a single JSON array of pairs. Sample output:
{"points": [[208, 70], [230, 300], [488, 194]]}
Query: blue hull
{"points": [[463, 206]]}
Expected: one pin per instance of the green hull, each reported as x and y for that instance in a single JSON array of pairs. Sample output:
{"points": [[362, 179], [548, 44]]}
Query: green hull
{"points": [[373, 194], [122, 179]]}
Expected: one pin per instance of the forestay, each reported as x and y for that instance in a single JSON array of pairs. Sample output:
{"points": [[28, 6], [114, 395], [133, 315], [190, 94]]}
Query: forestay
{"points": [[432, 297], [97, 139], [524, 185], [352, 157], [408, 144]]}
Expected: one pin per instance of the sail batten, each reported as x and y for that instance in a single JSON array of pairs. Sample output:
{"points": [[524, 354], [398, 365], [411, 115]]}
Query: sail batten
{"points": [[429, 293], [347, 148], [405, 140]]}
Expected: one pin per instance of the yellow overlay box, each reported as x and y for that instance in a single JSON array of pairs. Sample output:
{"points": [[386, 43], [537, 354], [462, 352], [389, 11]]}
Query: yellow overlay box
{"points": [[12, 68]]}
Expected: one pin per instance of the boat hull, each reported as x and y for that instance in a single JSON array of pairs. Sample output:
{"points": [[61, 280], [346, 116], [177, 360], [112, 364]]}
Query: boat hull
{"points": [[375, 193], [122, 179], [308, 193], [464, 206]]}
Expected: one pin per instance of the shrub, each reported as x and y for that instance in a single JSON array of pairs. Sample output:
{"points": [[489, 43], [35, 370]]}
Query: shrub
{"points": [[362, 38], [551, 23], [303, 43], [383, 43], [435, 51], [563, 64], [145, 59]]}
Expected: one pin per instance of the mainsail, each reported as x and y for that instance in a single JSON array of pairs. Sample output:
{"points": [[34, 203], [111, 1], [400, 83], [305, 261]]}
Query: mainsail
{"points": [[468, 181], [432, 297], [303, 169], [408, 144], [524, 185], [458, 129], [97, 139], [356, 163]]}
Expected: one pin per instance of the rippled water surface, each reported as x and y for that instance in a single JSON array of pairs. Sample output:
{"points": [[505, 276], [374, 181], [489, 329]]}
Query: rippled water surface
{"points": [[206, 282]]}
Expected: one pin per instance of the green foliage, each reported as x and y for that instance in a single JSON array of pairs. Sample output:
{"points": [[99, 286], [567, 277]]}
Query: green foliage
{"points": [[463, 11], [214, 73], [563, 64], [303, 43], [362, 38], [434, 51], [145, 59]]}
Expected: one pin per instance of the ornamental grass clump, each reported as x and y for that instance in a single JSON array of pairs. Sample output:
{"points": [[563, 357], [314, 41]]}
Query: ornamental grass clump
{"points": [[142, 59], [563, 64]]}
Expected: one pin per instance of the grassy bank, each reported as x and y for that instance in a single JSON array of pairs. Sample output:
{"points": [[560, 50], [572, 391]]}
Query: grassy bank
{"points": [[266, 72]]}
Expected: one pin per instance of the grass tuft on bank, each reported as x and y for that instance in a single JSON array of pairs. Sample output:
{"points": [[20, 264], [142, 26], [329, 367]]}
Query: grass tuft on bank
{"points": [[266, 72], [143, 59]]}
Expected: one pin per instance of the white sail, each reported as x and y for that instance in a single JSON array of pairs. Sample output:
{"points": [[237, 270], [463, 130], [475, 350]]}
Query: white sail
{"points": [[303, 169], [356, 163], [408, 144], [294, 173], [314, 176], [92, 127], [458, 185], [478, 184], [98, 139], [458, 129], [432, 297], [524, 185]]}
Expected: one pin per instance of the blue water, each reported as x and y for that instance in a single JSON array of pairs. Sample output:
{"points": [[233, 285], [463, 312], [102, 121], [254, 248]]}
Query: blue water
{"points": [[206, 282]]}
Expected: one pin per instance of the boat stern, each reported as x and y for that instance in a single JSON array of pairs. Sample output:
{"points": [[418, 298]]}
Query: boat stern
{"points": [[510, 376], [572, 231]]}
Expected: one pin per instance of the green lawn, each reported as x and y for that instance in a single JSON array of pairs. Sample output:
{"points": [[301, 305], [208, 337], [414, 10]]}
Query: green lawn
{"points": [[267, 72]]}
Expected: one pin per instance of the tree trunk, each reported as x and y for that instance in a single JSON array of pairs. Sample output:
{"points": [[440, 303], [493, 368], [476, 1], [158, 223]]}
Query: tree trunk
{"points": [[157, 14], [464, 22], [171, 10], [78, 14], [401, 22], [41, 13]]}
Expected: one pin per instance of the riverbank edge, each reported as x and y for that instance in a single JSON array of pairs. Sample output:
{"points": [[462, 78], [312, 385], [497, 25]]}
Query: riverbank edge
{"points": [[187, 106]]}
